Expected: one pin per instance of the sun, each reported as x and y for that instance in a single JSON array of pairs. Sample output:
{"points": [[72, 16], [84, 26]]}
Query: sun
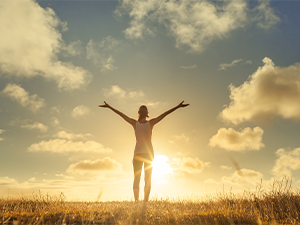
{"points": [[161, 166]]}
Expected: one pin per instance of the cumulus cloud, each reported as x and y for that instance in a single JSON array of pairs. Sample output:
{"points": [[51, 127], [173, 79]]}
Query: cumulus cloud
{"points": [[101, 165], [66, 146], [286, 162], [269, 92], [244, 177], [233, 140], [189, 67], [189, 165], [37, 125], [17, 93], [193, 23], [71, 136], [30, 44], [100, 53], [223, 167], [224, 66], [80, 111], [1, 131], [118, 92]]}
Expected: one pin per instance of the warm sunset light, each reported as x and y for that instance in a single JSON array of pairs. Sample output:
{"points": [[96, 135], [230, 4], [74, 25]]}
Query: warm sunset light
{"points": [[161, 166], [91, 90]]}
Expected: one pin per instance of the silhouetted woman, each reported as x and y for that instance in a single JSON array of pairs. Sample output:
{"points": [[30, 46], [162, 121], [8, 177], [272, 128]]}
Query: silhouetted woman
{"points": [[143, 152]]}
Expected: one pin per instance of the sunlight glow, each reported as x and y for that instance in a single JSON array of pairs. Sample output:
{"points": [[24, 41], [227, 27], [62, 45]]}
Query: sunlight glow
{"points": [[161, 166]]}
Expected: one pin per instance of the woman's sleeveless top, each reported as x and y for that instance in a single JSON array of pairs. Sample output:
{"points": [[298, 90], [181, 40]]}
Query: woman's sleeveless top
{"points": [[143, 135]]}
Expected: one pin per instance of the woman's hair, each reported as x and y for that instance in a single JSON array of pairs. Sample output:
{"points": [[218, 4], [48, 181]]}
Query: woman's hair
{"points": [[143, 112]]}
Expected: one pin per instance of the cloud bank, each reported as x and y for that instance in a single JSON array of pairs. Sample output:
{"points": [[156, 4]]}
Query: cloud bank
{"points": [[101, 165], [17, 93], [189, 165], [232, 140], [71, 136], [64, 146], [30, 44], [194, 23], [269, 92], [244, 177]]}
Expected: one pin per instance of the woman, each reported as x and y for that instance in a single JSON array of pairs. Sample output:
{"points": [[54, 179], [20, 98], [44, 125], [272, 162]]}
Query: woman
{"points": [[143, 152]]}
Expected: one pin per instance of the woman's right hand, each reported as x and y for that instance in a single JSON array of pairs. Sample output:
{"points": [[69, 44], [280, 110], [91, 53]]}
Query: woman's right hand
{"points": [[105, 105], [182, 105]]}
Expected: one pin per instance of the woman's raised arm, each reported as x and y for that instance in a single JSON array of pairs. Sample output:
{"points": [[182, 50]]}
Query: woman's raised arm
{"points": [[159, 118], [126, 118]]}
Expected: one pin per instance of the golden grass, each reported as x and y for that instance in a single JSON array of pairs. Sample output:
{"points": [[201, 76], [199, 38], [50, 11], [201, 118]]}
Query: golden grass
{"points": [[280, 205]]}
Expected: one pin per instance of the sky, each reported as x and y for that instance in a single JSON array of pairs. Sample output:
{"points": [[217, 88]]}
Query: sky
{"points": [[235, 62]]}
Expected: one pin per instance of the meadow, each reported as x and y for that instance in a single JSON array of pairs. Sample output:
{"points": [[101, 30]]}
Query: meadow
{"points": [[278, 205]]}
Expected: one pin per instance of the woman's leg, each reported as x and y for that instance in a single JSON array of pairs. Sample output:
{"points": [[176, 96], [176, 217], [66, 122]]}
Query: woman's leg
{"points": [[137, 169], [148, 174]]}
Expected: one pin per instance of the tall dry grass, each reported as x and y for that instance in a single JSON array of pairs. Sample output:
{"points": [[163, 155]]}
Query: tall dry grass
{"points": [[280, 205]]}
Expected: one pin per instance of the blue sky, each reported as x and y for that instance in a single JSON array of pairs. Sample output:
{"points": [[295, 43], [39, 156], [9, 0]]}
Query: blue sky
{"points": [[235, 62]]}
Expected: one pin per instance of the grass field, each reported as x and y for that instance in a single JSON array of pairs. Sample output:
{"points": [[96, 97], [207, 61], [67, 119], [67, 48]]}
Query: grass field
{"points": [[280, 205]]}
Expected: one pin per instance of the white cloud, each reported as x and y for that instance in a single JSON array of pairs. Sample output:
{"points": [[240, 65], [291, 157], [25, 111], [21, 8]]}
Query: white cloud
{"points": [[100, 53], [232, 140], [43, 128], [189, 67], [17, 93], [101, 165], [224, 66], [265, 16], [7, 181], [269, 92], [193, 23], [71, 136], [286, 162], [244, 177], [1, 131], [64, 146], [223, 167], [80, 111], [189, 165], [182, 137], [118, 92], [30, 44], [74, 48], [152, 104]]}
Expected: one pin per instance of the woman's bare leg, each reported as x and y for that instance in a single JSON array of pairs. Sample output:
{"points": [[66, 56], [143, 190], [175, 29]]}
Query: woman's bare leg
{"points": [[137, 168], [148, 174]]}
